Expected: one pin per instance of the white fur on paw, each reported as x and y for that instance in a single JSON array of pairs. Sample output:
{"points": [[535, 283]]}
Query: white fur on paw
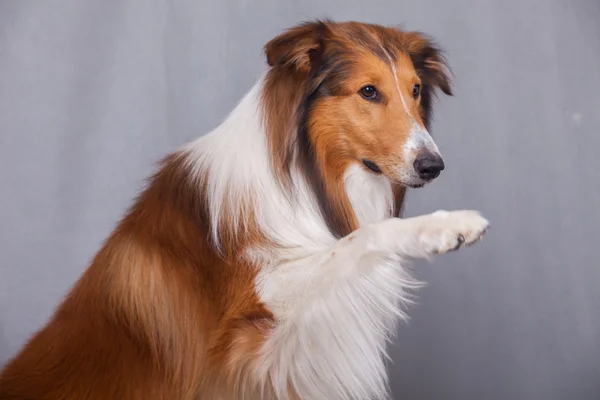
{"points": [[445, 231]]}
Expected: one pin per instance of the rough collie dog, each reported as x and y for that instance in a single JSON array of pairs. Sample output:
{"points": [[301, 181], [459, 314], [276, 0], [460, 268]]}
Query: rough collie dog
{"points": [[267, 259]]}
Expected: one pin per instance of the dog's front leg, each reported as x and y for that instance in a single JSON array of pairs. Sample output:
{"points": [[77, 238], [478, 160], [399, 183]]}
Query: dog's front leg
{"points": [[285, 286]]}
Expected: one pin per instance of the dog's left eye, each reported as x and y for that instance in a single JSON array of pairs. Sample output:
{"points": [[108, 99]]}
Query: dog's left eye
{"points": [[416, 91]]}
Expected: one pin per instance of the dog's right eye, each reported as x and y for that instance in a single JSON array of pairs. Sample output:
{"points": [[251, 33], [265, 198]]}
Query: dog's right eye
{"points": [[368, 92]]}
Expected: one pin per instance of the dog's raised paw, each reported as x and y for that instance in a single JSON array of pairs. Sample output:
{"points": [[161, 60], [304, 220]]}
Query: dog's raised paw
{"points": [[445, 231]]}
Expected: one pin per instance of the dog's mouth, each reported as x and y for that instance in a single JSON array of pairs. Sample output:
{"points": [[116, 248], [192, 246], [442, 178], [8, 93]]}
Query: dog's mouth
{"points": [[372, 166], [409, 180], [412, 182]]}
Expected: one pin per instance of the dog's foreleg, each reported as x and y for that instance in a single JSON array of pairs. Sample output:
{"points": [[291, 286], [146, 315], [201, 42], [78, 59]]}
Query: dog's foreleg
{"points": [[284, 286]]}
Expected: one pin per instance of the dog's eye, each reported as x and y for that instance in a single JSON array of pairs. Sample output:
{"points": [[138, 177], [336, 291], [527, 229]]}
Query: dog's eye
{"points": [[416, 91], [368, 92]]}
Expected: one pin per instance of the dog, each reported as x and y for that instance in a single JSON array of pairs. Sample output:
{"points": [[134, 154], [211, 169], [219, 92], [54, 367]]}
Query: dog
{"points": [[267, 259]]}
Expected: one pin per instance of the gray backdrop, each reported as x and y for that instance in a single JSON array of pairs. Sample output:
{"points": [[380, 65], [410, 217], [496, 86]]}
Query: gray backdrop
{"points": [[93, 93]]}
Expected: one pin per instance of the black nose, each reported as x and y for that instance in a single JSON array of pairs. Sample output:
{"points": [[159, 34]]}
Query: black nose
{"points": [[428, 165]]}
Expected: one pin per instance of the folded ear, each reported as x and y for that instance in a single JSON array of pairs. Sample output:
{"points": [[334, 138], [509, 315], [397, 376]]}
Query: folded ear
{"points": [[300, 47], [431, 67]]}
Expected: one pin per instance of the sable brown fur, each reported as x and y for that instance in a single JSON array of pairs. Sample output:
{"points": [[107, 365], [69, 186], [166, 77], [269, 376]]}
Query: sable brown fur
{"points": [[154, 317]]}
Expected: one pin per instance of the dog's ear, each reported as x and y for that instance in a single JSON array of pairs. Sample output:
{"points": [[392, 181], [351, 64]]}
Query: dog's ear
{"points": [[300, 47], [432, 68]]}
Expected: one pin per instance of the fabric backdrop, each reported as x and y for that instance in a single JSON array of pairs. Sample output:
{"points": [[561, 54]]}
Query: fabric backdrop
{"points": [[93, 93]]}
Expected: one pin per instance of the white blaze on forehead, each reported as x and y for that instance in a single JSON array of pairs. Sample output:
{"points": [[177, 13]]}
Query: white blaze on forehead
{"points": [[419, 137], [395, 73]]}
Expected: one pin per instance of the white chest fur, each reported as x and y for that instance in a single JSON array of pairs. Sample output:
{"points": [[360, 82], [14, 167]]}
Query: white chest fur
{"points": [[336, 309]]}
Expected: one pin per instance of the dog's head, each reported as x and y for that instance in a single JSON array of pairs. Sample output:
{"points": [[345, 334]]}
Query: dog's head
{"points": [[367, 96]]}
